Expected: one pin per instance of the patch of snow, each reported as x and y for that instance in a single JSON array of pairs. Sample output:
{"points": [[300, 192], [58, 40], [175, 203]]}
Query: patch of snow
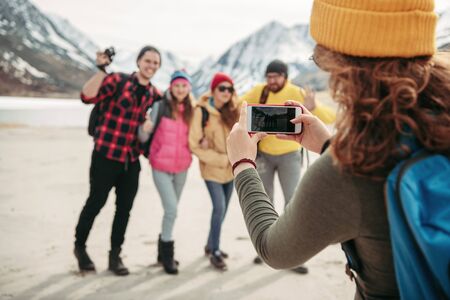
{"points": [[22, 67]]}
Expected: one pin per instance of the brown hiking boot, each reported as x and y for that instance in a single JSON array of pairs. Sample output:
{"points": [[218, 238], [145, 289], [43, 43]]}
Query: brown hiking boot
{"points": [[217, 261], [222, 253]]}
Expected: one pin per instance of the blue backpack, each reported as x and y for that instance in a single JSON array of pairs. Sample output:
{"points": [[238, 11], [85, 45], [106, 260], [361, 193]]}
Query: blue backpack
{"points": [[418, 205]]}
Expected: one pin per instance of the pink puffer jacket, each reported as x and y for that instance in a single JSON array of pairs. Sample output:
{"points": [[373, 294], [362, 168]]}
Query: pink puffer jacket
{"points": [[169, 151]]}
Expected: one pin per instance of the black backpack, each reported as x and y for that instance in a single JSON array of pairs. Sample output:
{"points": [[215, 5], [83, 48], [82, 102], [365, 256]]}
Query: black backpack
{"points": [[96, 113]]}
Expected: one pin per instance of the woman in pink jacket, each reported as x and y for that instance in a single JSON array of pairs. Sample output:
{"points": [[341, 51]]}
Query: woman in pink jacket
{"points": [[170, 156]]}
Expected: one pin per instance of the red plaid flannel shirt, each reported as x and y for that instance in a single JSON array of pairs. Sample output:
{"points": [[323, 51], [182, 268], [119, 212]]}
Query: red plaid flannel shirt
{"points": [[121, 113]]}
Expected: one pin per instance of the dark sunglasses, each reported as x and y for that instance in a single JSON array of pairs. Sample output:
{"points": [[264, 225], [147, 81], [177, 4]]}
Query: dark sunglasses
{"points": [[223, 88]]}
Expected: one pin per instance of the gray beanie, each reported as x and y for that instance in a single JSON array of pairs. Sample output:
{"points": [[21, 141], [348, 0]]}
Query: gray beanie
{"points": [[277, 66]]}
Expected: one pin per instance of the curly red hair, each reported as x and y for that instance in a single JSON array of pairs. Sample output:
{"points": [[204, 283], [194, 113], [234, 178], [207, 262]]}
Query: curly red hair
{"points": [[382, 100]]}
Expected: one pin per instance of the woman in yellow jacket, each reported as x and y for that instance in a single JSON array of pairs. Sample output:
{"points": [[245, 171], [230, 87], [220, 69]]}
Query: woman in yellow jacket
{"points": [[208, 142]]}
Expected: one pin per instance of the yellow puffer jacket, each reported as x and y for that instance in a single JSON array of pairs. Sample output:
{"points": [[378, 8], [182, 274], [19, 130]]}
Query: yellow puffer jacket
{"points": [[214, 164], [271, 144]]}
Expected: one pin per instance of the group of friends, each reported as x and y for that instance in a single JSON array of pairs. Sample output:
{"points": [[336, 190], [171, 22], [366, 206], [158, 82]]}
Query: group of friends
{"points": [[382, 79], [176, 127]]}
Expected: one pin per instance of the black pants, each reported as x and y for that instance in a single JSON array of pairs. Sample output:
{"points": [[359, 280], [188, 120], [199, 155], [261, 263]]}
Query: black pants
{"points": [[103, 176]]}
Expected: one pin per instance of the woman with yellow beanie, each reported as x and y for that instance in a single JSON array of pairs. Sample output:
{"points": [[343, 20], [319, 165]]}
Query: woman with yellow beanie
{"points": [[388, 83]]}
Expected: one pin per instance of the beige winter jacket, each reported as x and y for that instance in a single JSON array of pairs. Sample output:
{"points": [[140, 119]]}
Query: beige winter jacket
{"points": [[214, 164]]}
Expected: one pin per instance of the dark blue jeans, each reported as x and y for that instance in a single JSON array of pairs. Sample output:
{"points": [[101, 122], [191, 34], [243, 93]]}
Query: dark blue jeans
{"points": [[220, 197]]}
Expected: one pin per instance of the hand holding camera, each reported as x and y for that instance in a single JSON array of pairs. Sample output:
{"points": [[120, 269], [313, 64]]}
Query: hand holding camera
{"points": [[105, 58]]}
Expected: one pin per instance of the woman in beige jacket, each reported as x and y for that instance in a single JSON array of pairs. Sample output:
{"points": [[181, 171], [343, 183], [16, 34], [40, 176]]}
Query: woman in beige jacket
{"points": [[207, 141]]}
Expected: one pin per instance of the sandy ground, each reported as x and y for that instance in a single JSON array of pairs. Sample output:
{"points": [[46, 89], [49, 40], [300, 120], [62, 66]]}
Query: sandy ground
{"points": [[44, 184]]}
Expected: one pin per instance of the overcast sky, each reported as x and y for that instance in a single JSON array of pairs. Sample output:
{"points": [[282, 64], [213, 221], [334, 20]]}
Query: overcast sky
{"points": [[191, 29]]}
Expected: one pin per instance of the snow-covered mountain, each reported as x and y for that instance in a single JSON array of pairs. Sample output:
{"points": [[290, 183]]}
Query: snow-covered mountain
{"points": [[44, 54], [443, 30], [71, 33], [246, 60], [37, 55]]}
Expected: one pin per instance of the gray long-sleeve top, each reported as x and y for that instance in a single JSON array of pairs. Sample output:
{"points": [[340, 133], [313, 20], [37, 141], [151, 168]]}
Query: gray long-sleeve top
{"points": [[328, 207]]}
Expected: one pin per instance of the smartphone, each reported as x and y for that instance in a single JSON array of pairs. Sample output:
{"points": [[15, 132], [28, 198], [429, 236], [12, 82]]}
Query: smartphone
{"points": [[273, 119]]}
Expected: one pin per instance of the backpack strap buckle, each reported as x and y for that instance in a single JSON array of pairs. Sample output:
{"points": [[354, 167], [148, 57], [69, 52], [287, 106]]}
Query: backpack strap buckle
{"points": [[349, 272]]}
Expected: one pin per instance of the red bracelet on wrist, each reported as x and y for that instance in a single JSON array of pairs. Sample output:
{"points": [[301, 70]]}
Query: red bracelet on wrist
{"points": [[242, 160]]}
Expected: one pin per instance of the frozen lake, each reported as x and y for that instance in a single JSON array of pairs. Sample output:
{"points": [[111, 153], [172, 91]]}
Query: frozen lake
{"points": [[44, 112]]}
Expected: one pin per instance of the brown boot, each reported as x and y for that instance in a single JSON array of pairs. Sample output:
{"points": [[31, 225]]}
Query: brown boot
{"points": [[217, 261], [222, 253]]}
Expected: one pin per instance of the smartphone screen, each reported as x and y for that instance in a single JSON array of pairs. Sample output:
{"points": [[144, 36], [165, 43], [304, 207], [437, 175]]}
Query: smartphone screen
{"points": [[272, 119]]}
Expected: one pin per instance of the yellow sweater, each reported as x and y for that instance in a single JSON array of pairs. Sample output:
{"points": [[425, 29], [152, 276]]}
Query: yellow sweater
{"points": [[271, 144]]}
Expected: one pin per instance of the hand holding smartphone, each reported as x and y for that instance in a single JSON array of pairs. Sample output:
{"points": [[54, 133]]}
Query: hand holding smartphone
{"points": [[314, 131], [273, 119]]}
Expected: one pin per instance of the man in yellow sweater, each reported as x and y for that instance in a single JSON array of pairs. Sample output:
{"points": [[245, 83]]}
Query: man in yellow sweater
{"points": [[276, 155]]}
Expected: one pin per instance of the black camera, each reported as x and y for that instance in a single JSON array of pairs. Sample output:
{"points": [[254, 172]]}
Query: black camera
{"points": [[110, 52]]}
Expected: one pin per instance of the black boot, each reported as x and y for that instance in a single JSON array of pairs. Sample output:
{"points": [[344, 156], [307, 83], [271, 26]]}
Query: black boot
{"points": [[159, 250], [158, 258], [115, 263], [85, 264], [169, 264]]}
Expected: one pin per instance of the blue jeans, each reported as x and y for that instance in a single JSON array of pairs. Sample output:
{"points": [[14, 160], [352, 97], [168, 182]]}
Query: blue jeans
{"points": [[170, 186], [220, 197]]}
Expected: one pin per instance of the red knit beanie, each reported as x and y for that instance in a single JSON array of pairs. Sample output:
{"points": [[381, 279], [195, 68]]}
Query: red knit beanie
{"points": [[218, 78]]}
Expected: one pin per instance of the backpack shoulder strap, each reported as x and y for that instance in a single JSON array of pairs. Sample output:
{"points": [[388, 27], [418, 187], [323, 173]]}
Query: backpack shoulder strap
{"points": [[264, 95], [353, 263], [121, 85], [205, 117], [161, 106]]}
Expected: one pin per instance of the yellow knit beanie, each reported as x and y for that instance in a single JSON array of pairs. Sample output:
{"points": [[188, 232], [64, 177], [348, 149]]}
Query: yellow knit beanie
{"points": [[375, 28]]}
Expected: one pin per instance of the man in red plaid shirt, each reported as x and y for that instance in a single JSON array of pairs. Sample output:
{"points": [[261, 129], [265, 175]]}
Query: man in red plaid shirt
{"points": [[124, 100]]}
